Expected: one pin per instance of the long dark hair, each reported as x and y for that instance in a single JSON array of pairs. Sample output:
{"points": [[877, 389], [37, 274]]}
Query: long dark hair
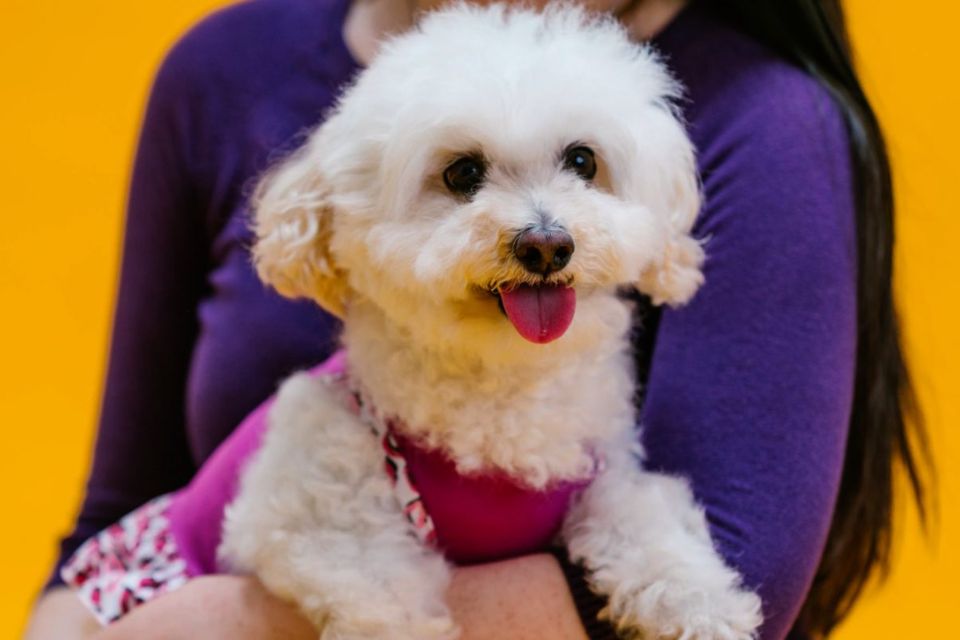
{"points": [[886, 428]]}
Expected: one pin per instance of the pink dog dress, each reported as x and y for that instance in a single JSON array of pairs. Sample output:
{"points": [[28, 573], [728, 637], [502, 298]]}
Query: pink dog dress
{"points": [[160, 546]]}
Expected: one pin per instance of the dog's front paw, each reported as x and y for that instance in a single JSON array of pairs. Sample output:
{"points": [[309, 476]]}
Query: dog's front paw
{"points": [[672, 610]]}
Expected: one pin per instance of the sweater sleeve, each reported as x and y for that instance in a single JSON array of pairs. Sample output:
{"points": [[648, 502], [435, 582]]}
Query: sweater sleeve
{"points": [[141, 446], [750, 385]]}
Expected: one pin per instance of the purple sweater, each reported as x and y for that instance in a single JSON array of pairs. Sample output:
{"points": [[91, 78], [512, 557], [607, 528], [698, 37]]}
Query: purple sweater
{"points": [[749, 387]]}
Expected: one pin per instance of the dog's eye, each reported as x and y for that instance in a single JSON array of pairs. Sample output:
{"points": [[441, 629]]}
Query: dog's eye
{"points": [[581, 161], [465, 176]]}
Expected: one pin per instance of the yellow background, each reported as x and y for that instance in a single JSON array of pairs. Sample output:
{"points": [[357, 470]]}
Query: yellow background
{"points": [[73, 77]]}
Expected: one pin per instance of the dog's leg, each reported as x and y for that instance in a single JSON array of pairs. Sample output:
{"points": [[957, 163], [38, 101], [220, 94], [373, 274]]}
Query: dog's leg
{"points": [[647, 547], [317, 522]]}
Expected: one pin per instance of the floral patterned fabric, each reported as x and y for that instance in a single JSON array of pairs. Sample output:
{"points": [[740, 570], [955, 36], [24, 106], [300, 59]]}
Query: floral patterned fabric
{"points": [[128, 563]]}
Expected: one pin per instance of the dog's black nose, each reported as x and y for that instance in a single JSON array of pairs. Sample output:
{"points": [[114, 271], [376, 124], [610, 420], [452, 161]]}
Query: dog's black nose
{"points": [[543, 250]]}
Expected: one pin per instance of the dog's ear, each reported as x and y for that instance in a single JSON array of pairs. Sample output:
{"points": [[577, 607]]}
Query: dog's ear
{"points": [[293, 221], [675, 274]]}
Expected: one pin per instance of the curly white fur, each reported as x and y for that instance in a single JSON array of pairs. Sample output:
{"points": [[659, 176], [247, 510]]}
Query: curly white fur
{"points": [[360, 221]]}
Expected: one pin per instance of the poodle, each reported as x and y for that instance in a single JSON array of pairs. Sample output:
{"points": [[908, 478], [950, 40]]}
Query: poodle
{"points": [[472, 209]]}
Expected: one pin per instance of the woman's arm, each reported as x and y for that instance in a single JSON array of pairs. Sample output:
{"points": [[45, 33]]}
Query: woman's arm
{"points": [[521, 599], [212, 608], [59, 615], [750, 386]]}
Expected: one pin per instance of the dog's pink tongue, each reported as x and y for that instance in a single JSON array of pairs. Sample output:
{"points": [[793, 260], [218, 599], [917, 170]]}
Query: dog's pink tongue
{"points": [[540, 314]]}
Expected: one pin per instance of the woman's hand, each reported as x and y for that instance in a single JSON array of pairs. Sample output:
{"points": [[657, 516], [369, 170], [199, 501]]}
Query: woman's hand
{"points": [[524, 598], [520, 599]]}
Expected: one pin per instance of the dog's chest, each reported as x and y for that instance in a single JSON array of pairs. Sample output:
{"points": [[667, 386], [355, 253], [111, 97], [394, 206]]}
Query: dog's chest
{"points": [[486, 516]]}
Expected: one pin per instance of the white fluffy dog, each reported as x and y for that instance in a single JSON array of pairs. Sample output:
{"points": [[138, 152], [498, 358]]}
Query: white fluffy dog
{"points": [[469, 210]]}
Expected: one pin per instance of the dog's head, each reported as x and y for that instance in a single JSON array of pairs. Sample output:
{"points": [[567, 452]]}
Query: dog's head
{"points": [[494, 176]]}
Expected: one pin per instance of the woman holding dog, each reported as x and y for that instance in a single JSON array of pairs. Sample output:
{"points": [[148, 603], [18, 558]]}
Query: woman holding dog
{"points": [[780, 391]]}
